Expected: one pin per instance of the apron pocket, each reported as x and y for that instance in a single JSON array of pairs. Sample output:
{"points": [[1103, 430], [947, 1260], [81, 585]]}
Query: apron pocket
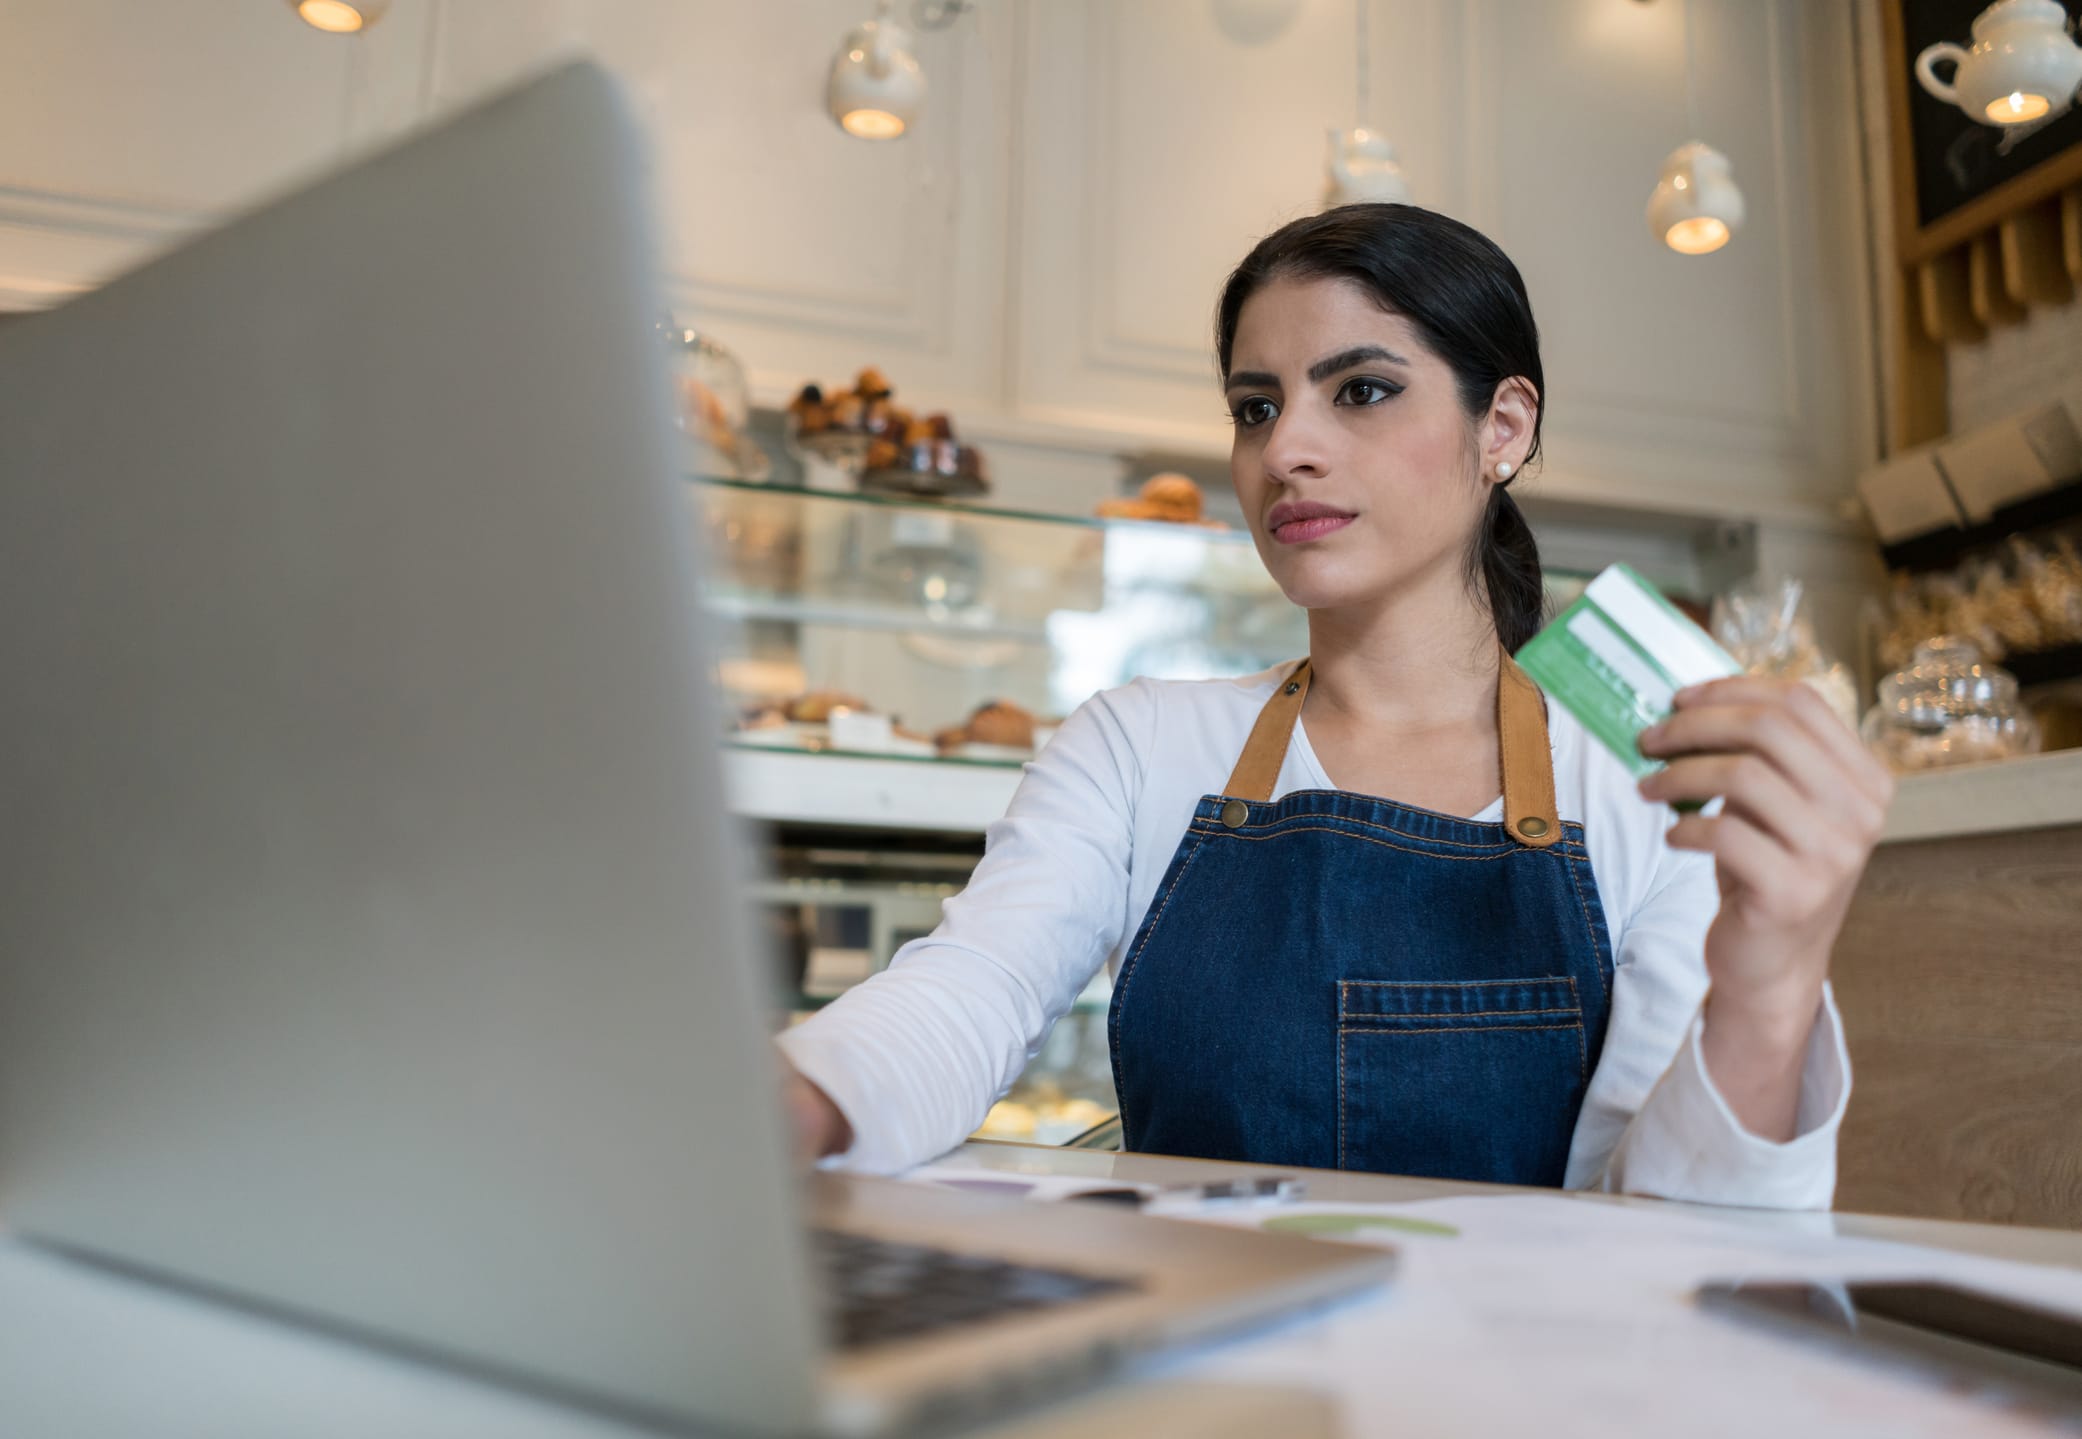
{"points": [[1479, 1079]]}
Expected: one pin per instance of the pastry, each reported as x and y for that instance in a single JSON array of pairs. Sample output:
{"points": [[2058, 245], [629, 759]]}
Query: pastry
{"points": [[1175, 497], [1169, 498], [809, 411], [817, 707], [1002, 723], [997, 722]]}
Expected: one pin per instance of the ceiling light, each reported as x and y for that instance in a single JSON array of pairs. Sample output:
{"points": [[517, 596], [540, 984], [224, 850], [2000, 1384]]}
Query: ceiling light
{"points": [[876, 87], [2022, 67], [1696, 205], [340, 17], [1362, 164], [1363, 168]]}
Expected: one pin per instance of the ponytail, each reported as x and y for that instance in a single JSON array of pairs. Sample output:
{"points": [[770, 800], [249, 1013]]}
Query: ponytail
{"points": [[1508, 561]]}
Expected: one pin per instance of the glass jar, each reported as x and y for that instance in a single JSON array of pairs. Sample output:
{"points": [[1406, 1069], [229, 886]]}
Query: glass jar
{"points": [[1947, 708], [711, 407]]}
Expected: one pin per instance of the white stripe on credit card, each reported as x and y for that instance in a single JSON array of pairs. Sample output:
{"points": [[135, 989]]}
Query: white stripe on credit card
{"points": [[1678, 646], [1598, 636]]}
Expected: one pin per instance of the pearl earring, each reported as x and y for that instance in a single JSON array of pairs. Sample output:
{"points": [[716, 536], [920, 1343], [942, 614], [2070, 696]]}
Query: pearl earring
{"points": [[1503, 471]]}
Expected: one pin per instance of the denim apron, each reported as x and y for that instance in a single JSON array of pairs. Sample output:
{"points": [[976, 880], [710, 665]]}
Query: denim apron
{"points": [[1342, 982]]}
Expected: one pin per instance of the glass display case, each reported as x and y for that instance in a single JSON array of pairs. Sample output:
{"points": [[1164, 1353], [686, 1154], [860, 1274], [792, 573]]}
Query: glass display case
{"points": [[890, 664], [870, 625]]}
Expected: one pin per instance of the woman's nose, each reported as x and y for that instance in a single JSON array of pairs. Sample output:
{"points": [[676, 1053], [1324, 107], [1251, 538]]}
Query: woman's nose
{"points": [[1295, 448]]}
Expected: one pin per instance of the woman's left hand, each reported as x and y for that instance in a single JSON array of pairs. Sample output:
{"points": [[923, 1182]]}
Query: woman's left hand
{"points": [[1804, 803]]}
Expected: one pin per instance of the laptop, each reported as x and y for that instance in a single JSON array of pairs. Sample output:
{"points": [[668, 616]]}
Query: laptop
{"points": [[373, 942]]}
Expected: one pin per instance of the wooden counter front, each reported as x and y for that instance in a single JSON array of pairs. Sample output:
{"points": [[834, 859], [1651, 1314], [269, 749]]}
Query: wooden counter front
{"points": [[1959, 975]]}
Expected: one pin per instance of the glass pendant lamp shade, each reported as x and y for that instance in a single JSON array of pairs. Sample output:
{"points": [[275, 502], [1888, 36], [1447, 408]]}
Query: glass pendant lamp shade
{"points": [[1696, 206], [2023, 65], [877, 87]]}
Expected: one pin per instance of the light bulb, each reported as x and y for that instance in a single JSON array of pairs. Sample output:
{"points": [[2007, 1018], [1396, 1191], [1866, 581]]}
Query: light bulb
{"points": [[340, 17], [2017, 107], [1701, 235], [1696, 206], [876, 87]]}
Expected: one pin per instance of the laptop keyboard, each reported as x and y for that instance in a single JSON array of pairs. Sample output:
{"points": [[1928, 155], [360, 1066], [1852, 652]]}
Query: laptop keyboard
{"points": [[882, 1291]]}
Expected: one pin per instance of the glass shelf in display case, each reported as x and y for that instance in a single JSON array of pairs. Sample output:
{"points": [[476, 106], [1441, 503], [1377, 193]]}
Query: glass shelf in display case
{"points": [[863, 624]]}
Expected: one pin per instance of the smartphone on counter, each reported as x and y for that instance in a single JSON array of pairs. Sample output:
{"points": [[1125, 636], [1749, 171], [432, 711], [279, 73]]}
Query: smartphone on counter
{"points": [[1965, 1337]]}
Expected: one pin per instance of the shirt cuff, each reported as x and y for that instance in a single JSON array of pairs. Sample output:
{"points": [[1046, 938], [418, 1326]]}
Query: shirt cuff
{"points": [[1686, 1143], [826, 1066]]}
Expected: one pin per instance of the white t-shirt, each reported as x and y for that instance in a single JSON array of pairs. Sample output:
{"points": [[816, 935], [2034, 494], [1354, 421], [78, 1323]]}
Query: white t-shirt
{"points": [[915, 1055]]}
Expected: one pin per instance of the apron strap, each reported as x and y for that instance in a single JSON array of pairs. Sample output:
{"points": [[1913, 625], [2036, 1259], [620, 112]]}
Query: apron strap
{"points": [[1521, 720], [1258, 770], [1521, 725]]}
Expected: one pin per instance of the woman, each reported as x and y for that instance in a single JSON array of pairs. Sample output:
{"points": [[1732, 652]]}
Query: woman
{"points": [[1355, 951]]}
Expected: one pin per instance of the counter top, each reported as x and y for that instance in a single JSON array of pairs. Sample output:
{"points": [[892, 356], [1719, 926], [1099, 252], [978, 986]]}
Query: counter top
{"points": [[88, 1351], [2021, 794], [2040, 792]]}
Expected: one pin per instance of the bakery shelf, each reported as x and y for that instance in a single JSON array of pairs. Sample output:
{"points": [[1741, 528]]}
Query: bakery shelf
{"points": [[2048, 666], [980, 624], [1942, 549], [947, 796], [967, 509]]}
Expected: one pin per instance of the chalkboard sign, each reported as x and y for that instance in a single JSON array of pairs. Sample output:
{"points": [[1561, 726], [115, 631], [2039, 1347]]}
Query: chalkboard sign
{"points": [[1953, 161]]}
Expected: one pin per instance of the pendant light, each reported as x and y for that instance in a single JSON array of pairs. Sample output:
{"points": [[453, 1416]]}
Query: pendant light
{"points": [[340, 17], [876, 87], [2022, 67], [1362, 164], [1696, 206]]}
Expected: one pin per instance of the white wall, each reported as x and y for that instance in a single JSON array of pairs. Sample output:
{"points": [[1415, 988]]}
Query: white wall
{"points": [[1042, 255]]}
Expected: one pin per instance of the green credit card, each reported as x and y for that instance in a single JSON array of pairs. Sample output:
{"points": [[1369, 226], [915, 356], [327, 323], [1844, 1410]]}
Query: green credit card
{"points": [[1616, 656]]}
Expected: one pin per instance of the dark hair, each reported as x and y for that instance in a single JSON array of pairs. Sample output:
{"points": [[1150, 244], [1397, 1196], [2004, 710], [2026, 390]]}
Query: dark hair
{"points": [[1465, 297]]}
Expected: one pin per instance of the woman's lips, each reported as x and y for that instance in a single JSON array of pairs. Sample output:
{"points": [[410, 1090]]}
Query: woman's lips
{"points": [[1296, 532], [1295, 522]]}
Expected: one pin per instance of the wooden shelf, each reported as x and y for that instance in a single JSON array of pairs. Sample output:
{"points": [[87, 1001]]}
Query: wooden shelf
{"points": [[1942, 549]]}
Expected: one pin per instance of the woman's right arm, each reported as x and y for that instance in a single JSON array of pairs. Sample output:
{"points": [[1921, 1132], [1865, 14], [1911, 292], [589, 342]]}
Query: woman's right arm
{"points": [[903, 1067]]}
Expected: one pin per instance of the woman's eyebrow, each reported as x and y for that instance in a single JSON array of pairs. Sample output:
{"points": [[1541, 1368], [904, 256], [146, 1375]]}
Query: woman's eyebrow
{"points": [[1346, 359], [1263, 379]]}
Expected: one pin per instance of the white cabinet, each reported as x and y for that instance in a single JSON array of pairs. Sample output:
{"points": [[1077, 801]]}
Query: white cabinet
{"points": [[1042, 255], [1157, 148]]}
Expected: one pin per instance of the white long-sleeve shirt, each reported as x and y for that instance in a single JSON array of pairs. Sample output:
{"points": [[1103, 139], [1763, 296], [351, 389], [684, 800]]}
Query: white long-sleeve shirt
{"points": [[914, 1056]]}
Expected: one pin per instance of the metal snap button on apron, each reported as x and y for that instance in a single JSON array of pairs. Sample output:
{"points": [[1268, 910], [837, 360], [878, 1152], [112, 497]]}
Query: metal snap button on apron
{"points": [[1532, 826], [1234, 813]]}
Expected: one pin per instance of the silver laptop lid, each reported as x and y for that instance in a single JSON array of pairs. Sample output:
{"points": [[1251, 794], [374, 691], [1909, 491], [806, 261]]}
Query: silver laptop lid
{"points": [[370, 939]]}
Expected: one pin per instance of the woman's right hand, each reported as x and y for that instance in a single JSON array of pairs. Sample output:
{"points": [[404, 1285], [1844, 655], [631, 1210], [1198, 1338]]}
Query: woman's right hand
{"points": [[820, 1128]]}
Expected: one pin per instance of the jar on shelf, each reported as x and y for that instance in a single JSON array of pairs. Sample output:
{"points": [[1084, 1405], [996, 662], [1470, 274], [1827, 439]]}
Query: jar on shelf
{"points": [[1948, 707], [711, 407]]}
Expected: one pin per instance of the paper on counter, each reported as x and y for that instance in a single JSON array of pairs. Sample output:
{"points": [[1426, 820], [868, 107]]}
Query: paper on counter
{"points": [[1563, 1316], [1011, 1184]]}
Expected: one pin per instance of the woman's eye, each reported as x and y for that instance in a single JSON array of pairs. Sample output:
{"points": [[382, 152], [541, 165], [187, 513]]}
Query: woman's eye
{"points": [[1363, 392], [1254, 411]]}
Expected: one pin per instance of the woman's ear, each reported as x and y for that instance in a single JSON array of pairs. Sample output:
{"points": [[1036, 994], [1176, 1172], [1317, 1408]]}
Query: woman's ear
{"points": [[1507, 435]]}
